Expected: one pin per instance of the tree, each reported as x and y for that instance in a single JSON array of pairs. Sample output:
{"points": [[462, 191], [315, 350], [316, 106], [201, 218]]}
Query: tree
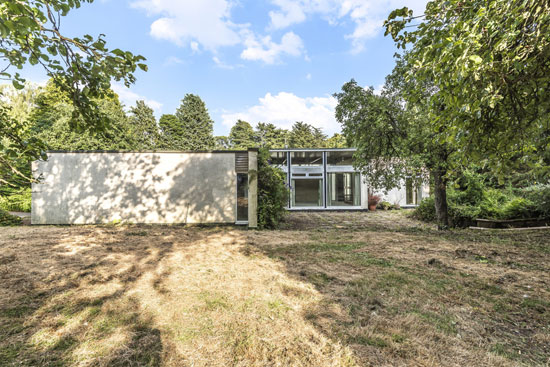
{"points": [[272, 192], [82, 67], [336, 141], [51, 123], [269, 136], [17, 149], [394, 139], [21, 102], [194, 130], [221, 142], [488, 62], [304, 135], [241, 135], [144, 126], [169, 127]]}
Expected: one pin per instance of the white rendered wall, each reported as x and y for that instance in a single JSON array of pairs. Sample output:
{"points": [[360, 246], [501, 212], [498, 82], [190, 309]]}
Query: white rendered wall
{"points": [[85, 188]]}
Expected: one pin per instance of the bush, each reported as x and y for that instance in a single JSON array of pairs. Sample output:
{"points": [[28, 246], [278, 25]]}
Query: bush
{"points": [[425, 211], [6, 219], [272, 193], [384, 205], [518, 208], [539, 195], [16, 201]]}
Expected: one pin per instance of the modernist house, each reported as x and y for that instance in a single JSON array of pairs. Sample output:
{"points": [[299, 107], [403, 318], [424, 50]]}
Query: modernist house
{"points": [[324, 179], [87, 187]]}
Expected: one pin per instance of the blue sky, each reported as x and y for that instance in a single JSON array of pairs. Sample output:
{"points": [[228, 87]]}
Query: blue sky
{"points": [[274, 61]]}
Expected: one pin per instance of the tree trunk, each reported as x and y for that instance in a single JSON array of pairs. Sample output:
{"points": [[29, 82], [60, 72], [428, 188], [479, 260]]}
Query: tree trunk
{"points": [[440, 196]]}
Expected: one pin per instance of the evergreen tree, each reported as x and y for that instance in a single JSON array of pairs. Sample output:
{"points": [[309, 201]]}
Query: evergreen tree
{"points": [[269, 136], [242, 135], [194, 130], [336, 141], [169, 129], [222, 142], [304, 135], [144, 126], [53, 114]]}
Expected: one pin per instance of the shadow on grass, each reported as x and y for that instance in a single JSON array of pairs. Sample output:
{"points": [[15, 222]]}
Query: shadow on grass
{"points": [[69, 302]]}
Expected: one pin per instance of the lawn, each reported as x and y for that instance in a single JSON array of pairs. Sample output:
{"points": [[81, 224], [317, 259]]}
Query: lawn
{"points": [[328, 289]]}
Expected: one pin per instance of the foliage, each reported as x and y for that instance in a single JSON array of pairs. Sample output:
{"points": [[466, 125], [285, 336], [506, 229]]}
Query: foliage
{"points": [[168, 125], [385, 205], [16, 200], [305, 135], [51, 119], [82, 67], [488, 61], [241, 135], [221, 142], [193, 127], [272, 192], [336, 141], [6, 219], [21, 102], [143, 126], [539, 195], [17, 149], [268, 135]]}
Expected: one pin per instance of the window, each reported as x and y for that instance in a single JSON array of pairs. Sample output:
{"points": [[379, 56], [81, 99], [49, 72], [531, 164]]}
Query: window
{"points": [[306, 158], [242, 197], [278, 158], [411, 192], [307, 193], [340, 158], [344, 189]]}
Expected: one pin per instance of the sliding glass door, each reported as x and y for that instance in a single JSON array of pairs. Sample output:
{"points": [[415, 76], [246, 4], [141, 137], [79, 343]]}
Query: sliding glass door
{"points": [[344, 189]]}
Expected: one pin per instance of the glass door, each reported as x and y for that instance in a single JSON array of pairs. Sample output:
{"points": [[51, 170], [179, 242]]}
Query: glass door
{"points": [[307, 193]]}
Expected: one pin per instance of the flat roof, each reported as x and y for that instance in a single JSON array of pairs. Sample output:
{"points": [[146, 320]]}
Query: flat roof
{"points": [[314, 150], [152, 151]]}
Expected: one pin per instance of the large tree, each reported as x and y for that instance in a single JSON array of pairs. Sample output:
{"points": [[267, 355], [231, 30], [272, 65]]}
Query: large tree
{"points": [[51, 122], [489, 61], [270, 136], [143, 126], [304, 135], [241, 135], [394, 138], [194, 129]]}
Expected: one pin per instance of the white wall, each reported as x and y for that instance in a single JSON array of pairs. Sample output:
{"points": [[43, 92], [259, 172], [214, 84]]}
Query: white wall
{"points": [[85, 188]]}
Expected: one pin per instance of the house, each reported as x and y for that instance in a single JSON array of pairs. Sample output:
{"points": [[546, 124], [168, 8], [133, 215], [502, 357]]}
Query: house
{"points": [[89, 187], [325, 179]]}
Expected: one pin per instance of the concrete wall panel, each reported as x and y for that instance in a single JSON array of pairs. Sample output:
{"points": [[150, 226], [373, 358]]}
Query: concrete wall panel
{"points": [[84, 188]]}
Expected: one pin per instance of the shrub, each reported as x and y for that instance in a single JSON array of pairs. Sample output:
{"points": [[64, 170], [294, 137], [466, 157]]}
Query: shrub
{"points": [[539, 195], [384, 205], [6, 219], [518, 208], [425, 211], [272, 193], [16, 201]]}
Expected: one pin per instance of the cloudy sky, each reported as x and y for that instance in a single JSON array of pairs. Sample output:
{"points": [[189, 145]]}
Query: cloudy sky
{"points": [[275, 61]]}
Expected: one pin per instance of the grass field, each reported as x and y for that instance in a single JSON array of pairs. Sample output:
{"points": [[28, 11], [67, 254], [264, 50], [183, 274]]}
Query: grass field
{"points": [[328, 289]]}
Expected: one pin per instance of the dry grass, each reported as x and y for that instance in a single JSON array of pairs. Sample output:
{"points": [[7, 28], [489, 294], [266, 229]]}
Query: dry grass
{"points": [[332, 289]]}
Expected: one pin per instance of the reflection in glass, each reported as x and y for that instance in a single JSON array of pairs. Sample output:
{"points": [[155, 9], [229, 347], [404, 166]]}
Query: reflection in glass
{"points": [[306, 158], [242, 197], [340, 158], [344, 189], [278, 158], [307, 193]]}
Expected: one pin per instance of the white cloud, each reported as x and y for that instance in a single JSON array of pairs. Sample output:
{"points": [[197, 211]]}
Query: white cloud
{"points": [[367, 15], [308, 76], [182, 22], [284, 109], [173, 60], [129, 98], [266, 50], [223, 65]]}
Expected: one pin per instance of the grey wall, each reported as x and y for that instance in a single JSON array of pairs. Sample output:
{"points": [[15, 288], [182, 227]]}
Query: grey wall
{"points": [[85, 188]]}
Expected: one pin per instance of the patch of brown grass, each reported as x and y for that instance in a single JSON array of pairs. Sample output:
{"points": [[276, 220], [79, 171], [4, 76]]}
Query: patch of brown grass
{"points": [[330, 289]]}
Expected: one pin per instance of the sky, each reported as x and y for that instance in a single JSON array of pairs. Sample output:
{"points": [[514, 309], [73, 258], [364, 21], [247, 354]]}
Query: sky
{"points": [[277, 61]]}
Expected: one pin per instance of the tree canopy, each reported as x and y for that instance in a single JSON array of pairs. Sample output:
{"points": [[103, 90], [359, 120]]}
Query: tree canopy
{"points": [[83, 67], [489, 64], [242, 135], [194, 128]]}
